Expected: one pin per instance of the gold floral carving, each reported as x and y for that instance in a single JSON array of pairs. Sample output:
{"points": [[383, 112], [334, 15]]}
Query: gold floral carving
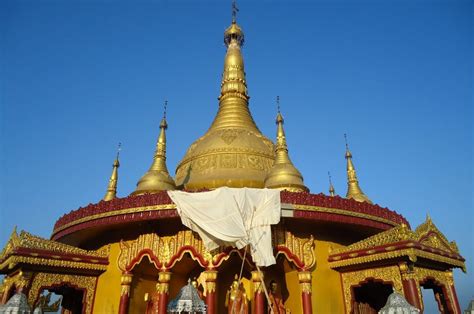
{"points": [[304, 278], [163, 248], [386, 274], [20, 280], [303, 248], [209, 278], [126, 281], [163, 282], [166, 249], [48, 280]]}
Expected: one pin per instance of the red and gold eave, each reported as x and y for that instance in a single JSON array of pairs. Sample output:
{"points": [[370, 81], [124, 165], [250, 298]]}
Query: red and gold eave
{"points": [[75, 227], [31, 253], [424, 246]]}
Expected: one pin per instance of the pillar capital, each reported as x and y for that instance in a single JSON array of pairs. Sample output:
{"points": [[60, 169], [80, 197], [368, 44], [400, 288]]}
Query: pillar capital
{"points": [[304, 278], [257, 278]]}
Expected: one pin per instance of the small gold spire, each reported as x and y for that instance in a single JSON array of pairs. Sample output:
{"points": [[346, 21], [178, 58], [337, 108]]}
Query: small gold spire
{"points": [[111, 192], [157, 178], [283, 174], [332, 191], [353, 189]]}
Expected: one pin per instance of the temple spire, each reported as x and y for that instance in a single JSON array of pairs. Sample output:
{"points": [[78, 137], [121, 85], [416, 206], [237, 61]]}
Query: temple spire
{"points": [[111, 192], [283, 174], [332, 191], [353, 189], [157, 178], [233, 99]]}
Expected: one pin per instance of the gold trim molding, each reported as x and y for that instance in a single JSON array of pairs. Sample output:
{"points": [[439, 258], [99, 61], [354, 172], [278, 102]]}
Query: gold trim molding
{"points": [[386, 274]]}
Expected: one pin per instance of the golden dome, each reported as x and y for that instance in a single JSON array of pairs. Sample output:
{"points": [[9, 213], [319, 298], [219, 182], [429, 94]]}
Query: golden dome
{"points": [[157, 177], [233, 152], [283, 174]]}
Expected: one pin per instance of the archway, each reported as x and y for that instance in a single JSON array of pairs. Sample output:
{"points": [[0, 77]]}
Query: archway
{"points": [[144, 280], [370, 296], [439, 294], [73, 298]]}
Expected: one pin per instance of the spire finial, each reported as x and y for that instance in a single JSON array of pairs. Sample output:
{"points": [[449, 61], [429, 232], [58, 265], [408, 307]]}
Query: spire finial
{"points": [[111, 192], [332, 191], [119, 148], [353, 189], [234, 11], [283, 174], [157, 178]]}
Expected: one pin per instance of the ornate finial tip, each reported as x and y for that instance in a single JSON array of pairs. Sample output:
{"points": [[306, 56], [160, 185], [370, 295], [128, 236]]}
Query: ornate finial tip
{"points": [[165, 107]]}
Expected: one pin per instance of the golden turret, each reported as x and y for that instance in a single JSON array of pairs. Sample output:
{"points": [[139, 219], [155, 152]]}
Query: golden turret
{"points": [[353, 189], [111, 192], [233, 152], [157, 178], [283, 174], [332, 191]]}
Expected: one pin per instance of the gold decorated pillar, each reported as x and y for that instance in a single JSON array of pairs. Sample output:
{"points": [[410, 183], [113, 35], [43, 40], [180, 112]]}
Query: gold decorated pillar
{"points": [[454, 298], [304, 278], [164, 278], [210, 277], [410, 285], [259, 295], [125, 281]]}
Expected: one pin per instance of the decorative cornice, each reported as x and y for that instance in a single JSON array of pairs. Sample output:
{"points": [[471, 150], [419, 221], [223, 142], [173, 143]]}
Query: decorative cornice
{"points": [[29, 249], [426, 242], [159, 205]]}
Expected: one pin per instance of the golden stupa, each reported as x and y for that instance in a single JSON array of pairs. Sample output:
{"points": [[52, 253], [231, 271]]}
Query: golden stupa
{"points": [[134, 255]]}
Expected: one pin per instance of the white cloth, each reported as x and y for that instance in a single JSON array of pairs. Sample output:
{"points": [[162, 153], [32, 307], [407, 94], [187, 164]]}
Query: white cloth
{"points": [[232, 217]]}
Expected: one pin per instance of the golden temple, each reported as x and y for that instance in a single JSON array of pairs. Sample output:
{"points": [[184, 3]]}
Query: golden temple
{"points": [[132, 255]]}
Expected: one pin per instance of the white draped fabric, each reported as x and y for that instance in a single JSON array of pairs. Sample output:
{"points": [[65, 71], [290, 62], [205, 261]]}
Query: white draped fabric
{"points": [[232, 217]]}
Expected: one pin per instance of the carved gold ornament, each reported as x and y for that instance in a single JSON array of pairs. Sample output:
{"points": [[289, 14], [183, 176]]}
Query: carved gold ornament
{"points": [[304, 278], [165, 252], [386, 274], [46, 280]]}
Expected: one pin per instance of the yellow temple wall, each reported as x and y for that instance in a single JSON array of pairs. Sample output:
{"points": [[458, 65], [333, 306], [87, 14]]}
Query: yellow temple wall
{"points": [[326, 283], [107, 295], [327, 293]]}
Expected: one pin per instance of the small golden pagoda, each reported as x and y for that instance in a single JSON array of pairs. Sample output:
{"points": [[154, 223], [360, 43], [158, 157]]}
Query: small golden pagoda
{"points": [[132, 254]]}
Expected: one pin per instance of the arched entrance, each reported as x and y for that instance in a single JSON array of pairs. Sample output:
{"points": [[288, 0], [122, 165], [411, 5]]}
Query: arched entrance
{"points": [[439, 294], [370, 296]]}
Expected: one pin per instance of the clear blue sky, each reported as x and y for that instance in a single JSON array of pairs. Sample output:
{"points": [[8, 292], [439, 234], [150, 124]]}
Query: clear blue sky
{"points": [[397, 76]]}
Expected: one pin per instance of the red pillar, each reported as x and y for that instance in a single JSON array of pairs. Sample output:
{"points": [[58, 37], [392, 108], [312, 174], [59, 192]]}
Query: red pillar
{"points": [[450, 286], [410, 289], [163, 290], [259, 294], [125, 282], [210, 277], [304, 278]]}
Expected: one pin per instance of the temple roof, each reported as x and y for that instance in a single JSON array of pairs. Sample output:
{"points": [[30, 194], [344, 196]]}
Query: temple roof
{"points": [[31, 251], [426, 242]]}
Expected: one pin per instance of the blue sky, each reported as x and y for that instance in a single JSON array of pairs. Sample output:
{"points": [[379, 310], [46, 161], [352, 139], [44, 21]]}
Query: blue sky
{"points": [[77, 77]]}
